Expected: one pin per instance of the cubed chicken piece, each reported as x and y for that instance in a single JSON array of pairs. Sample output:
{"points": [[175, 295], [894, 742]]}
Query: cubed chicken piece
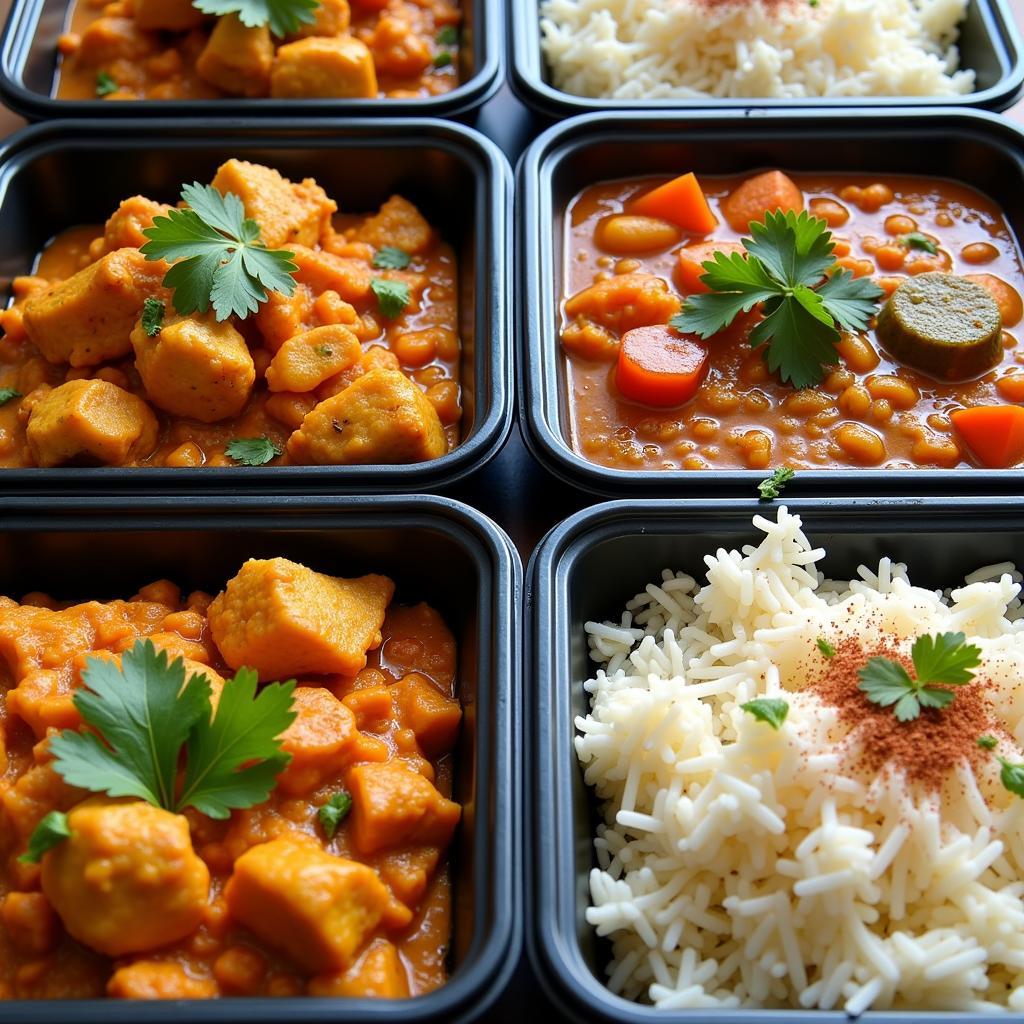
{"points": [[127, 880], [307, 360], [109, 39], [30, 921], [282, 619], [88, 319], [237, 58], [399, 224], [90, 421], [319, 740], [158, 979], [340, 67], [323, 271], [392, 805], [397, 48], [283, 316], [332, 19], [167, 15], [317, 909], [125, 226], [382, 417], [378, 974], [195, 367], [624, 302], [287, 213], [432, 715]]}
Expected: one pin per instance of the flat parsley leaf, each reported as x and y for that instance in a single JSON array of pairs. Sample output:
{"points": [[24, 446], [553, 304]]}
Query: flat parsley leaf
{"points": [[283, 16], [392, 296], [771, 487], [105, 84], [1012, 777], [8, 394], [915, 240], [768, 709], [53, 829], [152, 317], [945, 658], [390, 257], [252, 451], [217, 255], [334, 812], [790, 270]]}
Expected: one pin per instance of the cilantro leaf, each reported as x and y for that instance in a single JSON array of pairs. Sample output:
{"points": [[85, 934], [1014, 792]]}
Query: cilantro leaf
{"points": [[392, 296], [252, 451], [390, 257], [105, 84], [771, 487], [448, 36], [851, 300], [244, 729], [334, 812], [1012, 777], [152, 317], [793, 248], [217, 255], [283, 16], [826, 648], [945, 658], [442, 59], [799, 343], [988, 742], [771, 710], [50, 831], [8, 394], [915, 240]]}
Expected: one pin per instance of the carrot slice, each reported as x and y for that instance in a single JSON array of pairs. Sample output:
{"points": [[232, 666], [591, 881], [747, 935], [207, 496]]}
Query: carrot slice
{"points": [[691, 260], [994, 433], [681, 201], [659, 366], [759, 195]]}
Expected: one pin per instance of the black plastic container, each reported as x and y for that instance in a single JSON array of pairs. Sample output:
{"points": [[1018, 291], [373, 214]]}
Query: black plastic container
{"points": [[437, 551], [56, 175], [28, 70], [978, 148], [587, 569], [989, 44]]}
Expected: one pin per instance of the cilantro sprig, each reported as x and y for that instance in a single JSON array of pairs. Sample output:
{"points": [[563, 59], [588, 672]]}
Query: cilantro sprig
{"points": [[392, 296], [771, 487], [252, 451], [283, 16], [334, 812], [789, 269], [771, 710], [217, 254], [8, 395], [945, 658], [152, 317], [390, 257], [50, 831], [105, 84]]}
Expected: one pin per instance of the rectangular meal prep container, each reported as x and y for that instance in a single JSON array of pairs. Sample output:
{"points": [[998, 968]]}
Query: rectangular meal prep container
{"points": [[28, 76], [587, 569], [976, 147], [989, 44], [436, 550], [58, 174]]}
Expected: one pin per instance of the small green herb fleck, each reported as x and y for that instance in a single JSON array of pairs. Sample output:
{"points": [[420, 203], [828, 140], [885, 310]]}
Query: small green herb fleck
{"points": [[252, 451], [392, 296], [105, 85], [7, 394], [825, 647], [334, 812], [442, 59], [389, 257], [1012, 776], [771, 710], [53, 829], [325, 351], [772, 486], [812, 3], [987, 742], [152, 317], [915, 240], [448, 36]]}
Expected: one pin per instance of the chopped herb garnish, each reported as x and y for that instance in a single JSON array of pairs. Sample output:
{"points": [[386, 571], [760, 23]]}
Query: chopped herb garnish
{"points": [[1012, 776], [283, 16], [8, 394], [252, 451], [771, 710], [389, 257], [825, 647], [105, 84], [915, 240], [945, 658], [324, 351], [334, 812], [987, 742], [789, 267], [442, 59], [152, 317], [217, 254], [392, 296], [772, 486], [50, 831], [448, 36]]}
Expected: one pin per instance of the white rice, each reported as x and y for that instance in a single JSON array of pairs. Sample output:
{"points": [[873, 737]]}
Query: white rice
{"points": [[744, 866], [678, 49]]}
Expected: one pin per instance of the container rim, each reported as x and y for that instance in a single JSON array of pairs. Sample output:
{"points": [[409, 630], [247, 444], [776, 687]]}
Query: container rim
{"points": [[492, 955], [526, 76], [493, 356], [22, 21], [552, 886], [539, 393]]}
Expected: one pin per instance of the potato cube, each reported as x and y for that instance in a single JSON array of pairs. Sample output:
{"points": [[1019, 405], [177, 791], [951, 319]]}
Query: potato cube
{"points": [[168, 15], [112, 38], [317, 909], [392, 805], [332, 19], [319, 740], [379, 973], [432, 715], [307, 360], [282, 619], [382, 417], [287, 213], [323, 271], [398, 223], [125, 225], [195, 367], [237, 58], [90, 421], [88, 319], [338, 68]]}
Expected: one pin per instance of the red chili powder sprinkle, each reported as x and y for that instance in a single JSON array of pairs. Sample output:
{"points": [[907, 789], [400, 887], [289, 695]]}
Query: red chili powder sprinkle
{"points": [[928, 748], [768, 5]]}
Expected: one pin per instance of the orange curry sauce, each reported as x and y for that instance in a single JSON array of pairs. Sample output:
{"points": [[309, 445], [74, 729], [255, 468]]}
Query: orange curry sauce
{"points": [[742, 416], [38, 960]]}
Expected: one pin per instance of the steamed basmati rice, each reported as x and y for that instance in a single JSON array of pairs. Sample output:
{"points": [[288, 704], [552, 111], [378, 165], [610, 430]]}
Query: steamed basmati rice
{"points": [[675, 49], [744, 866]]}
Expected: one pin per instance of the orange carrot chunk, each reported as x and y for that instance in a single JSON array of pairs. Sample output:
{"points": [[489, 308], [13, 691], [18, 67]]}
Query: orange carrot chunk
{"points": [[659, 366], [759, 195], [691, 263], [994, 433], [680, 201]]}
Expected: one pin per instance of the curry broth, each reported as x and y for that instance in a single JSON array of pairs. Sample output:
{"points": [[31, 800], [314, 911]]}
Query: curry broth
{"points": [[740, 398]]}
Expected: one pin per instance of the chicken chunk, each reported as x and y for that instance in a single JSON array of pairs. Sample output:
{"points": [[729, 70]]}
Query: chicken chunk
{"points": [[109, 39], [382, 417], [287, 213], [168, 15], [316, 908], [127, 880], [624, 302], [30, 922], [282, 619], [432, 715], [237, 58], [307, 360], [125, 225], [91, 421], [398, 223], [340, 67], [88, 319], [158, 979], [195, 367], [350, 278], [378, 973], [319, 740], [332, 19]]}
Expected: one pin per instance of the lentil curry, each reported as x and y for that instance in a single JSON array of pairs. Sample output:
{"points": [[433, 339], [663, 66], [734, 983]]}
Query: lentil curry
{"points": [[636, 251], [140, 902]]}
